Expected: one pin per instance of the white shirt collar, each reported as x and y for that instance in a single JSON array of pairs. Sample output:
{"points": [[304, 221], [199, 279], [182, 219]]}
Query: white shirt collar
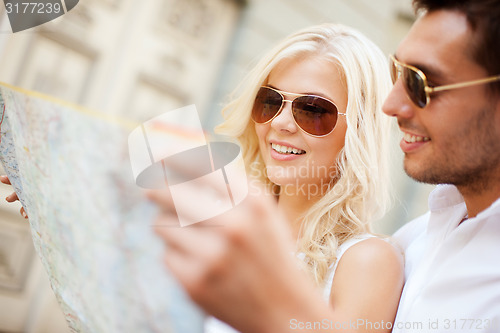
{"points": [[446, 196]]}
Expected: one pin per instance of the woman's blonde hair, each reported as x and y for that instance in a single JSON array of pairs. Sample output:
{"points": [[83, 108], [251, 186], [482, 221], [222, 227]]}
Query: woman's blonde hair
{"points": [[360, 194]]}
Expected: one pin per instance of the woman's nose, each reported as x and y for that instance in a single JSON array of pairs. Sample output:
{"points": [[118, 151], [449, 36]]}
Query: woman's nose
{"points": [[284, 121]]}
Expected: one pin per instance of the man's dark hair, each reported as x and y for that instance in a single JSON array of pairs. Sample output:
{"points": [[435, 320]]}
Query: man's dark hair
{"points": [[484, 18]]}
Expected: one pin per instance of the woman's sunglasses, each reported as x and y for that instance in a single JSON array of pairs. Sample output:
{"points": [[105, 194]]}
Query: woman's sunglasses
{"points": [[416, 86], [314, 115]]}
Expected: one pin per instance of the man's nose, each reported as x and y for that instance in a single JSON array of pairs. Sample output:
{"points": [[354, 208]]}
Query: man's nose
{"points": [[397, 103]]}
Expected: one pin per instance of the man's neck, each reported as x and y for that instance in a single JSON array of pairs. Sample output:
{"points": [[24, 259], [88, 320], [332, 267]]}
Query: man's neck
{"points": [[477, 201]]}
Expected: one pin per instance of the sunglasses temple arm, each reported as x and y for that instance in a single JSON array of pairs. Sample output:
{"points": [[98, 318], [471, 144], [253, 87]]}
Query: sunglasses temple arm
{"points": [[462, 84]]}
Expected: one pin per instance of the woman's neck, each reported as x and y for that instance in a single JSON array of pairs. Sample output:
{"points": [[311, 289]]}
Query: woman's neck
{"points": [[294, 204]]}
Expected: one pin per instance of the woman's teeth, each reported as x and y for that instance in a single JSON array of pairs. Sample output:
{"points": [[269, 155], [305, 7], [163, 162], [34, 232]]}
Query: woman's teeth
{"points": [[414, 138], [287, 150]]}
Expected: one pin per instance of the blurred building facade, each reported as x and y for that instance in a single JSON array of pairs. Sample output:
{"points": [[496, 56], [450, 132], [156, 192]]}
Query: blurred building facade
{"points": [[137, 59]]}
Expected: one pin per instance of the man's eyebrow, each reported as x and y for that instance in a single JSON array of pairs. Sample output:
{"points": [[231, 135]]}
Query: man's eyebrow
{"points": [[427, 69]]}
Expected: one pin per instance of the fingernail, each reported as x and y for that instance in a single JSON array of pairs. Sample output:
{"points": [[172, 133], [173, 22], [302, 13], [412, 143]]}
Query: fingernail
{"points": [[24, 214]]}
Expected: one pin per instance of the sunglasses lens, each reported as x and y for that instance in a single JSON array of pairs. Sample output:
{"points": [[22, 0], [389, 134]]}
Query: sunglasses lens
{"points": [[394, 71], [415, 87], [315, 115], [267, 103]]}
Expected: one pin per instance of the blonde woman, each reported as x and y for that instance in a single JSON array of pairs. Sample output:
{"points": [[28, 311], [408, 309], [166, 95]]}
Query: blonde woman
{"points": [[336, 183]]}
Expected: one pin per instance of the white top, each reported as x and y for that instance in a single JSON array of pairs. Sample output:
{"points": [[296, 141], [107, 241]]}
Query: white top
{"points": [[452, 270], [213, 325]]}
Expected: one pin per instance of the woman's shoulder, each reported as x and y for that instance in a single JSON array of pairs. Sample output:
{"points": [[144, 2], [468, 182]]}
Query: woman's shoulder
{"points": [[369, 279], [362, 257], [368, 252], [372, 253]]}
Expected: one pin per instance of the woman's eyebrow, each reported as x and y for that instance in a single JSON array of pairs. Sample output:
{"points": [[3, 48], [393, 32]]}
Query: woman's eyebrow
{"points": [[304, 93]]}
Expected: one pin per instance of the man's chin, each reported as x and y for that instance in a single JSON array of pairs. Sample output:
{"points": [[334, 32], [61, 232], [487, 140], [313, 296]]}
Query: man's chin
{"points": [[420, 174]]}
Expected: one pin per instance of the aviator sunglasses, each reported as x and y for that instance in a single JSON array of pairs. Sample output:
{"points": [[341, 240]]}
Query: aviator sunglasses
{"points": [[313, 114], [416, 86]]}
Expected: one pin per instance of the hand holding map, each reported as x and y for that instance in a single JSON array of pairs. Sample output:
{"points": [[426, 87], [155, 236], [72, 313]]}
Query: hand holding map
{"points": [[13, 196]]}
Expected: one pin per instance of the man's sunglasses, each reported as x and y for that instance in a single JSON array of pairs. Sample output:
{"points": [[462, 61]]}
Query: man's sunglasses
{"points": [[315, 115], [416, 86]]}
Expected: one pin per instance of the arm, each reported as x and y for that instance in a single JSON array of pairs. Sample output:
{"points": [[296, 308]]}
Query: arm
{"points": [[367, 285], [242, 271]]}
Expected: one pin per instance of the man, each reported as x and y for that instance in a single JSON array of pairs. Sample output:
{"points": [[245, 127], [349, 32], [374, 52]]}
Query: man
{"points": [[244, 274], [451, 136], [452, 263]]}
